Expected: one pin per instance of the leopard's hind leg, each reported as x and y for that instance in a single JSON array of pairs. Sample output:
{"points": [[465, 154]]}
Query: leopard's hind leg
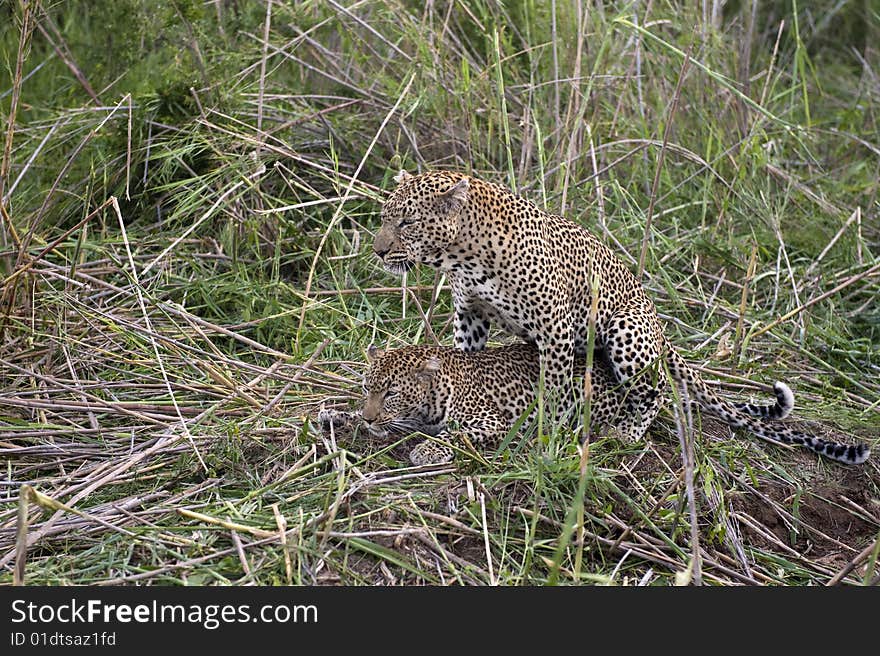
{"points": [[632, 343]]}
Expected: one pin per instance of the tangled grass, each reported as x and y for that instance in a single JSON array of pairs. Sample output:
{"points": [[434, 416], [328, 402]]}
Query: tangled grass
{"points": [[189, 193]]}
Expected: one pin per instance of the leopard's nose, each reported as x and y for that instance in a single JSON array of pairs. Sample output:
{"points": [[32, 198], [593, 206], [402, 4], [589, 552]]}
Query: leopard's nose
{"points": [[383, 242]]}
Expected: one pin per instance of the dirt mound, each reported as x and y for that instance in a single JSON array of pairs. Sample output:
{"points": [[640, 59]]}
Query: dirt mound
{"points": [[830, 518]]}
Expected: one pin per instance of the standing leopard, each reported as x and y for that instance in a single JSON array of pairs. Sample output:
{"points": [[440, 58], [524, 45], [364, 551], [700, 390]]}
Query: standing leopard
{"points": [[509, 262], [453, 394]]}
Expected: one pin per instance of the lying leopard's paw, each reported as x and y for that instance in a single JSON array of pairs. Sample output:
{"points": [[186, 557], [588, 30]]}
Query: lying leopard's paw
{"points": [[431, 453], [334, 419]]}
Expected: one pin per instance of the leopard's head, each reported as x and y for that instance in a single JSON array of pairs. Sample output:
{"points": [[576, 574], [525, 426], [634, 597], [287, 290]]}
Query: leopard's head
{"points": [[420, 219], [398, 388]]}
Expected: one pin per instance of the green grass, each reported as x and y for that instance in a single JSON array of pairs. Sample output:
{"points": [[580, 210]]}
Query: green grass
{"points": [[162, 381]]}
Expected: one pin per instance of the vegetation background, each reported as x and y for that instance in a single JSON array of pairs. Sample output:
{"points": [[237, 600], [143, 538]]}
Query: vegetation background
{"points": [[188, 193]]}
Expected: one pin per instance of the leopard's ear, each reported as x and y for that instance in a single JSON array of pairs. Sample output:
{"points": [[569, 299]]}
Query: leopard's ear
{"points": [[429, 367], [454, 198], [374, 352], [402, 176]]}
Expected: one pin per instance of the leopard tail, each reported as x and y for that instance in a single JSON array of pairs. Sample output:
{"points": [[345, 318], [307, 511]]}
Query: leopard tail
{"points": [[750, 417]]}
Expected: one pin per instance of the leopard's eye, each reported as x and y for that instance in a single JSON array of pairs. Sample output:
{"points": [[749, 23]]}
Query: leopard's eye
{"points": [[406, 222], [391, 393]]}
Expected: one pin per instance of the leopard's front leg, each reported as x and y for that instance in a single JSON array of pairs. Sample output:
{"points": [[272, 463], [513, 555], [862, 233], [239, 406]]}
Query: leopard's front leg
{"points": [[481, 431], [470, 327], [430, 452]]}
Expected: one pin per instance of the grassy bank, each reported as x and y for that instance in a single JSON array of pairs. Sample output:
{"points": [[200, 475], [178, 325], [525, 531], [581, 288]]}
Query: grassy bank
{"points": [[189, 192]]}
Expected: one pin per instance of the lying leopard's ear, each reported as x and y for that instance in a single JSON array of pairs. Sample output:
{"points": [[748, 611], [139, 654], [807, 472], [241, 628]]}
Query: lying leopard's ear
{"points": [[402, 176], [429, 367], [453, 199], [374, 352]]}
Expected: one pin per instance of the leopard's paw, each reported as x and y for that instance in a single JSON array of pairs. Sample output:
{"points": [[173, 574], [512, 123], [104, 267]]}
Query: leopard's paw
{"points": [[334, 419], [624, 433], [431, 453]]}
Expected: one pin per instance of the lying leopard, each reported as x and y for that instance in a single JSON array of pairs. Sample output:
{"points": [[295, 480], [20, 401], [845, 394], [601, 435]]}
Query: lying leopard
{"points": [[449, 393], [509, 262]]}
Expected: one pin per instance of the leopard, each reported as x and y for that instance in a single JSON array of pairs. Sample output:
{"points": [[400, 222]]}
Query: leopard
{"points": [[531, 273], [462, 397]]}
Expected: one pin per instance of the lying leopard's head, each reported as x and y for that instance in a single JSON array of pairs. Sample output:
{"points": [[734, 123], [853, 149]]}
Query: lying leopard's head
{"points": [[398, 390], [420, 219]]}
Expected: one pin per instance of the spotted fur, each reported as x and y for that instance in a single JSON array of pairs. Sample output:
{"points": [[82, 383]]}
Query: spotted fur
{"points": [[511, 263], [450, 393]]}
